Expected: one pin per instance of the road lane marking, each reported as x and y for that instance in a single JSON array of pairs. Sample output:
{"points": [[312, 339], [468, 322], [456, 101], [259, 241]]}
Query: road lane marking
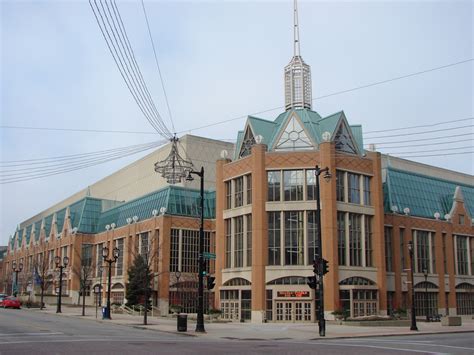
{"points": [[28, 334], [385, 347], [395, 341]]}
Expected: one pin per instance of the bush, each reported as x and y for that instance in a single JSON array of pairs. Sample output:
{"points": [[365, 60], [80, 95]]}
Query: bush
{"points": [[341, 314], [214, 311]]}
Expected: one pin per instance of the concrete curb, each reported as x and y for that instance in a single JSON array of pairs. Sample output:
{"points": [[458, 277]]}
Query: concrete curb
{"points": [[394, 335]]}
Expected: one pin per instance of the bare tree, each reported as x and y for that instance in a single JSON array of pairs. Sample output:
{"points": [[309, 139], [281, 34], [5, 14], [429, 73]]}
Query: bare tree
{"points": [[41, 269], [84, 270]]}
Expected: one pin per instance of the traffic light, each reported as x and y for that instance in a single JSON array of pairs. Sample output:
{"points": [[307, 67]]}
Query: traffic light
{"points": [[210, 282], [311, 282], [204, 273], [325, 267], [316, 266]]}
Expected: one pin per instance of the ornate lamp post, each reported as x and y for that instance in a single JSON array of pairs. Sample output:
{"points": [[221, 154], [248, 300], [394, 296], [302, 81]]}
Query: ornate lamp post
{"points": [[115, 256], [200, 311], [57, 260], [16, 270], [319, 259], [413, 315], [425, 274]]}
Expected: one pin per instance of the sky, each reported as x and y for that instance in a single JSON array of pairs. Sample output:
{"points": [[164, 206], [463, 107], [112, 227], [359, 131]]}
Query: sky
{"points": [[222, 60]]}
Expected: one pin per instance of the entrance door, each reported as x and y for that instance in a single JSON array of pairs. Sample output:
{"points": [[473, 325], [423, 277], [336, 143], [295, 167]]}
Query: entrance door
{"points": [[293, 311]]}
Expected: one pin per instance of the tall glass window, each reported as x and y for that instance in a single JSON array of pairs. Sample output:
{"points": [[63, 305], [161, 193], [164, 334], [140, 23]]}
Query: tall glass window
{"points": [[174, 252], [239, 191], [354, 188], [293, 185], [355, 236], [340, 185], [368, 241], [461, 250], [310, 185], [228, 194], [445, 261], [228, 243], [402, 249], [433, 254], [249, 188], [294, 242], [144, 244], [239, 241], [341, 237], [274, 238], [274, 184], [119, 264], [367, 200], [249, 239], [422, 251], [388, 248], [312, 236], [99, 259]]}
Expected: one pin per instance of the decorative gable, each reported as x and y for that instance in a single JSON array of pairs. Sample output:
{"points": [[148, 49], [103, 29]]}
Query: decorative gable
{"points": [[344, 141], [247, 143], [294, 136]]}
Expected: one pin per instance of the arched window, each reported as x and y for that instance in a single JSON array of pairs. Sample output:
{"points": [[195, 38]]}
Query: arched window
{"points": [[425, 284], [357, 281], [465, 286], [117, 286], [238, 281], [290, 280]]}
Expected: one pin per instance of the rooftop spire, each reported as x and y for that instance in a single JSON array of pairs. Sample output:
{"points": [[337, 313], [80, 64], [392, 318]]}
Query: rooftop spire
{"points": [[296, 31], [297, 74]]}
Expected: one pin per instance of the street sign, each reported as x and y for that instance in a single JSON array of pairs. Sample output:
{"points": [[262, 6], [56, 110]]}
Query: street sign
{"points": [[209, 255]]}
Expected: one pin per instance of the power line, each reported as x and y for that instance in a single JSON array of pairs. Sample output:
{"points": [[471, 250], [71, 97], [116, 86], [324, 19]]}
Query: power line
{"points": [[421, 126], [431, 155], [126, 63], [421, 139], [65, 169], [425, 132], [335, 93], [158, 66], [430, 150], [426, 144], [72, 157], [75, 130]]}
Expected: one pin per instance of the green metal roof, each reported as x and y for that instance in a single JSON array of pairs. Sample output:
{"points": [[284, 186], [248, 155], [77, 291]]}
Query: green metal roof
{"points": [[313, 123], [423, 195], [177, 200]]}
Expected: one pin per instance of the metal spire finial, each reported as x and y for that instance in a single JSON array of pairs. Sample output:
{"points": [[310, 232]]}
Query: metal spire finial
{"points": [[296, 30]]}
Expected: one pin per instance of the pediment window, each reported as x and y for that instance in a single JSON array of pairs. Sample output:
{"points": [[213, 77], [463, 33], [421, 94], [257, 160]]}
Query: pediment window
{"points": [[343, 140], [247, 143], [294, 137]]}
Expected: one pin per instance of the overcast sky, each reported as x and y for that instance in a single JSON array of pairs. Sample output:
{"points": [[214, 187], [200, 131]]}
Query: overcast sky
{"points": [[222, 60]]}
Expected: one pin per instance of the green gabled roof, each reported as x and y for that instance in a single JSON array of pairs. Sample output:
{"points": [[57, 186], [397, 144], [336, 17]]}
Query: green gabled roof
{"points": [[262, 127], [177, 200], [48, 221], [90, 215], [37, 230], [240, 137], [313, 123], [60, 215], [423, 195], [357, 133], [19, 236], [28, 233]]}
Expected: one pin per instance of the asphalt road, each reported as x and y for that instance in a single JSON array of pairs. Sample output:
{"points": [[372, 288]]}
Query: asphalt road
{"points": [[32, 332]]}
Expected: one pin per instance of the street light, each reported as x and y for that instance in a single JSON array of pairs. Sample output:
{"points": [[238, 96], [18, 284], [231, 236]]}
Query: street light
{"points": [[16, 270], [115, 256], [57, 260], [413, 316], [319, 259], [425, 274], [200, 310]]}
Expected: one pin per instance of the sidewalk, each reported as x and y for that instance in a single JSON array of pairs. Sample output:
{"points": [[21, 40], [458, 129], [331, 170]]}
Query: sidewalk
{"points": [[266, 331]]}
